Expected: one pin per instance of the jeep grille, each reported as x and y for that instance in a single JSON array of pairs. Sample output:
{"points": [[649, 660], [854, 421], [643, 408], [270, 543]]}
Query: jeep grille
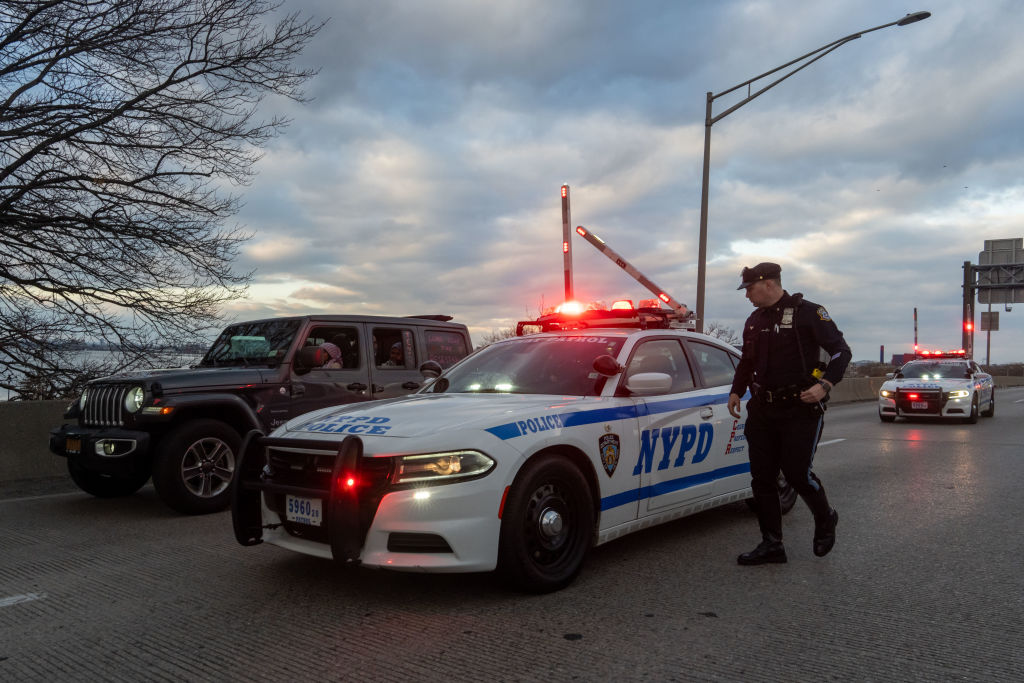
{"points": [[104, 405]]}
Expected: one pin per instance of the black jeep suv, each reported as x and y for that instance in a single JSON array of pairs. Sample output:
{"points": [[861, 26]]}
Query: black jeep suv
{"points": [[184, 426]]}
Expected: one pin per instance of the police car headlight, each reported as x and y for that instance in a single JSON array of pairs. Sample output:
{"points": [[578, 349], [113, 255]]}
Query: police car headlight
{"points": [[885, 393], [959, 393], [441, 468], [134, 399]]}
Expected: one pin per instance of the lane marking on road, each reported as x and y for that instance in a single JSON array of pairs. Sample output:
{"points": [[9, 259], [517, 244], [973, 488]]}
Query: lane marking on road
{"points": [[15, 599], [1019, 400], [826, 443]]}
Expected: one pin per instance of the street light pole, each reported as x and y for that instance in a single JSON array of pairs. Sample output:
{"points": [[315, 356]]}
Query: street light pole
{"points": [[710, 119]]}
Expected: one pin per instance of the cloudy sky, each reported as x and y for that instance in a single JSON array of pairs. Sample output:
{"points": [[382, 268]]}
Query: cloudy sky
{"points": [[424, 177]]}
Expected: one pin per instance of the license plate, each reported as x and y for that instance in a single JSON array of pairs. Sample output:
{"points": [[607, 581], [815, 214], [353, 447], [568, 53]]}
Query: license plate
{"points": [[73, 445], [307, 511], [919, 405]]}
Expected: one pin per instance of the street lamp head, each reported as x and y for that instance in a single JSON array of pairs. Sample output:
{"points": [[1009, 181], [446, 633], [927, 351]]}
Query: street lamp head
{"points": [[912, 18]]}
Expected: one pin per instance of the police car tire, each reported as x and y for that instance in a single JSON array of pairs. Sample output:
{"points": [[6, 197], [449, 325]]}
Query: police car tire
{"points": [[195, 466], [105, 485], [991, 410], [531, 557], [973, 417]]}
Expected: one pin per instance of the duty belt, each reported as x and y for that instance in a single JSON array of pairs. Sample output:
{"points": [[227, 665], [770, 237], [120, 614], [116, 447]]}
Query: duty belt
{"points": [[787, 394]]}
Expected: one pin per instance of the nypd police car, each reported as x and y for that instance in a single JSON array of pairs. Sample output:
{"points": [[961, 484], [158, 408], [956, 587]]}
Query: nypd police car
{"points": [[939, 385], [519, 458]]}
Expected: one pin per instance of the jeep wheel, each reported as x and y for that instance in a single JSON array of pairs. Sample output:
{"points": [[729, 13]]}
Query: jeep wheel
{"points": [[105, 485], [195, 465], [547, 526]]}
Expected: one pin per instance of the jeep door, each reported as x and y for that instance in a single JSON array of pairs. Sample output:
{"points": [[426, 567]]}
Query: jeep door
{"points": [[395, 358], [337, 380]]}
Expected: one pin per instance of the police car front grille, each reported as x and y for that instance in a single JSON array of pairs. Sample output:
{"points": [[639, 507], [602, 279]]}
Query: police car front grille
{"points": [[104, 405]]}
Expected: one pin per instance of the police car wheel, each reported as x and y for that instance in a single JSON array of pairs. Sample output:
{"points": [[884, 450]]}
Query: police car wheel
{"points": [[973, 417], [547, 526], [991, 410], [195, 466], [886, 418], [105, 485]]}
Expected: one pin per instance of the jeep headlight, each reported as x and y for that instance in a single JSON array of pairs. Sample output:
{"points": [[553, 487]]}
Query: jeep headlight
{"points": [[81, 400], [959, 393], [134, 399], [441, 468]]}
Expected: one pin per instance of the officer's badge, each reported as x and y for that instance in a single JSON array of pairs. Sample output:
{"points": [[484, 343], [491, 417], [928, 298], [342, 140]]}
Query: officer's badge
{"points": [[608, 447], [787, 317], [823, 314]]}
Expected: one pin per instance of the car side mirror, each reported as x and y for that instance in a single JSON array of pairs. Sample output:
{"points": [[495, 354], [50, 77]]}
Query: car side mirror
{"points": [[431, 369], [649, 383], [305, 360], [607, 366]]}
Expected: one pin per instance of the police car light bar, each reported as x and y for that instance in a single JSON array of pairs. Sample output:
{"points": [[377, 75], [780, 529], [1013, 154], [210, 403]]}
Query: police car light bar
{"points": [[601, 246]]}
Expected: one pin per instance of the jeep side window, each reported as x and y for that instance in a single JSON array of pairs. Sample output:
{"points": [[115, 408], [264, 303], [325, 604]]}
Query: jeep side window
{"points": [[338, 347], [393, 348], [446, 348]]}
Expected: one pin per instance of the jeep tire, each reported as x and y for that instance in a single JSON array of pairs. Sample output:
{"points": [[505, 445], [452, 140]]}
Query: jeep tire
{"points": [[105, 485], [194, 466]]}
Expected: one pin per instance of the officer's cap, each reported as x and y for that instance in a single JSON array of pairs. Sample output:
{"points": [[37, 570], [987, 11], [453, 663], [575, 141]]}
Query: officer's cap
{"points": [[762, 271]]}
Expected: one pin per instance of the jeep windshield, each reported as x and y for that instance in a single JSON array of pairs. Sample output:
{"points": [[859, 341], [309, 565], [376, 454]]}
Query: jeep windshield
{"points": [[264, 342], [562, 366]]}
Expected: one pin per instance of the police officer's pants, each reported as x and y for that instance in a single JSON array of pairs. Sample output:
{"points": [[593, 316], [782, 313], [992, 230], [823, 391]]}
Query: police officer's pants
{"points": [[783, 438]]}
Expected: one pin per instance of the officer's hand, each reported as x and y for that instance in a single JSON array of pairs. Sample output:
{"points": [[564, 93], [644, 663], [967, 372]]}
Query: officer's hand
{"points": [[813, 393], [734, 405]]}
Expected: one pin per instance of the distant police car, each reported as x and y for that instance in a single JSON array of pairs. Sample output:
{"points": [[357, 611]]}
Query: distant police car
{"points": [[520, 457], [937, 384]]}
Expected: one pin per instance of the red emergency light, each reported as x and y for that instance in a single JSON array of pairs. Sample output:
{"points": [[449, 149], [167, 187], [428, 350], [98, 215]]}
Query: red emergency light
{"points": [[912, 397], [565, 247], [623, 305], [664, 297], [569, 308], [565, 191], [580, 230]]}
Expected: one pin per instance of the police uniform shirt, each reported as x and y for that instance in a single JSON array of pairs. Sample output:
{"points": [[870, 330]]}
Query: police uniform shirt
{"points": [[772, 350]]}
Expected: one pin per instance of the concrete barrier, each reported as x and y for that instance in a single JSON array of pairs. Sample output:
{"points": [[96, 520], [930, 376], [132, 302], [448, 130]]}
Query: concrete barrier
{"points": [[24, 445], [25, 427]]}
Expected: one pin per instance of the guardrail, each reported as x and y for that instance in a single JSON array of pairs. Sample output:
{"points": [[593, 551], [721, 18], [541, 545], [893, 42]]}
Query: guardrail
{"points": [[25, 428]]}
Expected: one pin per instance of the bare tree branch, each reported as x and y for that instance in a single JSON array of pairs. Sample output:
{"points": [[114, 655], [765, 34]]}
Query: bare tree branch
{"points": [[121, 123]]}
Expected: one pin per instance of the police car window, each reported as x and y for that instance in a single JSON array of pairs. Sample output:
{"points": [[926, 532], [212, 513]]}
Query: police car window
{"points": [[562, 366], [935, 370], [665, 356], [716, 365]]}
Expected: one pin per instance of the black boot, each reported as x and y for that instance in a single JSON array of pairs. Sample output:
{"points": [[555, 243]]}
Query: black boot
{"points": [[767, 551], [825, 534]]}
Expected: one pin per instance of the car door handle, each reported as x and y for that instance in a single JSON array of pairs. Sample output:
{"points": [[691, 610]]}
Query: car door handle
{"points": [[356, 386], [298, 389], [377, 388], [707, 412], [411, 385]]}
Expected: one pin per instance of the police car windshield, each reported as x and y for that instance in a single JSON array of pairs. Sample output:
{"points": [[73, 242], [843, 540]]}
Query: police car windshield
{"points": [[934, 370], [532, 365]]}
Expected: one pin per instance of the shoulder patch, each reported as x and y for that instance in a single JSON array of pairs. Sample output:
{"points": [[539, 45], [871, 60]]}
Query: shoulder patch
{"points": [[823, 314]]}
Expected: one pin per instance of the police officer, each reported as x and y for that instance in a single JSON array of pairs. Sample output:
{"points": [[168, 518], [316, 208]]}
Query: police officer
{"points": [[789, 385]]}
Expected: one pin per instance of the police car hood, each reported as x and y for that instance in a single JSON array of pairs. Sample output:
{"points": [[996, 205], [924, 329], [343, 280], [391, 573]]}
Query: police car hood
{"points": [[425, 414], [934, 384]]}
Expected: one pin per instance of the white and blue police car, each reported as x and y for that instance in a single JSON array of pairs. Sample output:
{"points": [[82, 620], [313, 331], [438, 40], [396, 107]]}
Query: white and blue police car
{"points": [[938, 384], [519, 458]]}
